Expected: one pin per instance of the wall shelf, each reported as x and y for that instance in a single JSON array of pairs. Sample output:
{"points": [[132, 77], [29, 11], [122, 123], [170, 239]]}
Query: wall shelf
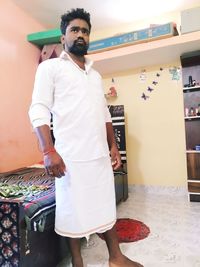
{"points": [[192, 151], [193, 193], [192, 117], [161, 51], [45, 37], [156, 52], [192, 88]]}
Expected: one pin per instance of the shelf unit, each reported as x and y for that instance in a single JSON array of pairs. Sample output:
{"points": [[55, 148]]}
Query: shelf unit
{"points": [[191, 94]]}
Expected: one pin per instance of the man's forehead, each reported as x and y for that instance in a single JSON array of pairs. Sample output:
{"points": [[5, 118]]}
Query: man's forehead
{"points": [[78, 23]]}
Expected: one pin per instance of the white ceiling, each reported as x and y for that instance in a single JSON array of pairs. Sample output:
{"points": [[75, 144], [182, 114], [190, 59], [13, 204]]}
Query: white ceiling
{"points": [[104, 13]]}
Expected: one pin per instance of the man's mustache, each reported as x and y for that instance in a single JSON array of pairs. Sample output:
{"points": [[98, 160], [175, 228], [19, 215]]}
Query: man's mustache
{"points": [[80, 39]]}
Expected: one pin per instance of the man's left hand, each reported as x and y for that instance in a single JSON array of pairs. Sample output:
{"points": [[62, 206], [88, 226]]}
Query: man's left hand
{"points": [[115, 157]]}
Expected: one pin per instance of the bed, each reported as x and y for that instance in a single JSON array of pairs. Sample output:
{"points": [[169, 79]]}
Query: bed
{"points": [[27, 236]]}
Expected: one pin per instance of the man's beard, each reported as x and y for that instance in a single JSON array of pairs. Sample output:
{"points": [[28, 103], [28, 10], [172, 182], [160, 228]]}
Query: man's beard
{"points": [[79, 49]]}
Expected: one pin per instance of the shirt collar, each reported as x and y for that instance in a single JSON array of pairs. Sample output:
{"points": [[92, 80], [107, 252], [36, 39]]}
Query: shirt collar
{"points": [[88, 62]]}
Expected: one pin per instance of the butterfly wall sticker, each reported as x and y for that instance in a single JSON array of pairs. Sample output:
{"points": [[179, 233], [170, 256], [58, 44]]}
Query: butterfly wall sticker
{"points": [[150, 89], [154, 83], [145, 97]]}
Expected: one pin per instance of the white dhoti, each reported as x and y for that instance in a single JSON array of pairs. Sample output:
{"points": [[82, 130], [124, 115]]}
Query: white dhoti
{"points": [[85, 198]]}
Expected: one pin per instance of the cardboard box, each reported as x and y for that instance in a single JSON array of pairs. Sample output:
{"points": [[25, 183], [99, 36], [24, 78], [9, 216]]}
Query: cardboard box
{"points": [[190, 20]]}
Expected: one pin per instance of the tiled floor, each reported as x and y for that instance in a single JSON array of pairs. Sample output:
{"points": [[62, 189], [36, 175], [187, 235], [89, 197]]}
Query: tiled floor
{"points": [[175, 230]]}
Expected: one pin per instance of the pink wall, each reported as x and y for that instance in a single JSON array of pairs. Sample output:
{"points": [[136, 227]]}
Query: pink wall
{"points": [[18, 61]]}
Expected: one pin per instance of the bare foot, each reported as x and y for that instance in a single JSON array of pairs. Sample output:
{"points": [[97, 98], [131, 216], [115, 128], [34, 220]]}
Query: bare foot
{"points": [[123, 262], [77, 263]]}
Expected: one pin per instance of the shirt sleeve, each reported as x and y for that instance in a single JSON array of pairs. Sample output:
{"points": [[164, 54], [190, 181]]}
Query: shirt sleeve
{"points": [[106, 110], [42, 98]]}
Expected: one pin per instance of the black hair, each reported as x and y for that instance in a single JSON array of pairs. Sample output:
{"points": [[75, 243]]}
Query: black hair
{"points": [[78, 13]]}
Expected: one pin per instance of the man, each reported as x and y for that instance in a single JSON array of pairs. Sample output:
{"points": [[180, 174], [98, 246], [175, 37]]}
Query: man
{"points": [[71, 90]]}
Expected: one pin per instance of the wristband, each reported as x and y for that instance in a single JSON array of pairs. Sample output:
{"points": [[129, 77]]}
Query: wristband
{"points": [[52, 150]]}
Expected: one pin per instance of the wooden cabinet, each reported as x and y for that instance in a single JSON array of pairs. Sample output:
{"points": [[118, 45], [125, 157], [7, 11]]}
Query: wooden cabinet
{"points": [[191, 92]]}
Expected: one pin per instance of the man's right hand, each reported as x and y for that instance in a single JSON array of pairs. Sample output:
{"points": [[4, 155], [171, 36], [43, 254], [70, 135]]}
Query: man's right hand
{"points": [[54, 165]]}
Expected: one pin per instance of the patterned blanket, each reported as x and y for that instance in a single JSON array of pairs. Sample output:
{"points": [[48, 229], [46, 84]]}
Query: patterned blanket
{"points": [[35, 192]]}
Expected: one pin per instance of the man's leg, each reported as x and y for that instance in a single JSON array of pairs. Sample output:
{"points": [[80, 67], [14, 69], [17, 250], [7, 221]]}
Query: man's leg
{"points": [[75, 249], [116, 258]]}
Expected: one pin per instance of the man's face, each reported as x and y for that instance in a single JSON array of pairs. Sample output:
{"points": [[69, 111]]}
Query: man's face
{"points": [[76, 38]]}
